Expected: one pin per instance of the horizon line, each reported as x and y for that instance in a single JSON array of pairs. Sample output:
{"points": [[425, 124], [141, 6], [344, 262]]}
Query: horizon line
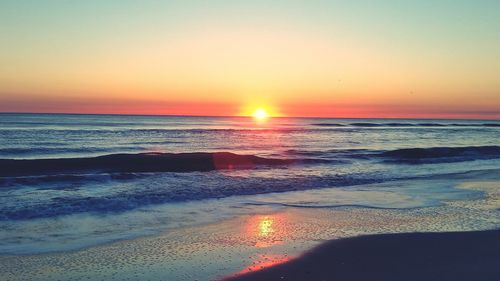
{"points": [[240, 116]]}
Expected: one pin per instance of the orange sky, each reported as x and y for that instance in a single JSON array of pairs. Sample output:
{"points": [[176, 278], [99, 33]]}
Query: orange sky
{"points": [[314, 58]]}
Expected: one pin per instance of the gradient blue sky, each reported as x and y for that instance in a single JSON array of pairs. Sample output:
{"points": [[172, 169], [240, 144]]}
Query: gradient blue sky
{"points": [[295, 58]]}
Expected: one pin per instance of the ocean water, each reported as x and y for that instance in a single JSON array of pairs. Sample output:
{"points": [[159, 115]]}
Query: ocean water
{"points": [[228, 167]]}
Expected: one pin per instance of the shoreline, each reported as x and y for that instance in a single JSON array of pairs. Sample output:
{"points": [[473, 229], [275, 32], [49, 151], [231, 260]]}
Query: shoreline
{"points": [[249, 242], [473, 255]]}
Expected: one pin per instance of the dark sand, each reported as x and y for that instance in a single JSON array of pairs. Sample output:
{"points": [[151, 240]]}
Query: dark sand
{"points": [[472, 256]]}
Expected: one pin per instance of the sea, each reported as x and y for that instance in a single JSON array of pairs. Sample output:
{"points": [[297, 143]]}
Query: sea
{"points": [[116, 177]]}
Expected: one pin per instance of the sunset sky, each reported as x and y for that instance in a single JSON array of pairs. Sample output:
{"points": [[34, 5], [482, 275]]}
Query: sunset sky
{"points": [[435, 59]]}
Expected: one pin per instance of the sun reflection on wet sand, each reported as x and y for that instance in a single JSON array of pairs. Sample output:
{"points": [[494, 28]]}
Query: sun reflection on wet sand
{"points": [[266, 231], [266, 227]]}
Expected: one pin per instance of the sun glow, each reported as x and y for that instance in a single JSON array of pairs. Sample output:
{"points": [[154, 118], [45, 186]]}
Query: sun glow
{"points": [[260, 114]]}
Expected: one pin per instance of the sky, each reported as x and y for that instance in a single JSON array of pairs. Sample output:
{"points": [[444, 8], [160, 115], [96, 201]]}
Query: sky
{"points": [[409, 59]]}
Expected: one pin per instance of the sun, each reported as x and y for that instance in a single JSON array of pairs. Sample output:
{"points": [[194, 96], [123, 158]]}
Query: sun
{"points": [[260, 114]]}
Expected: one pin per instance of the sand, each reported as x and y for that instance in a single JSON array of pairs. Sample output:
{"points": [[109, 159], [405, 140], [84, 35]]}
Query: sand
{"points": [[411, 256]]}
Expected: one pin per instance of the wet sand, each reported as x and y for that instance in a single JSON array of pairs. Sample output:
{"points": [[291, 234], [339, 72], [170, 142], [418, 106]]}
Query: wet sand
{"points": [[412, 256]]}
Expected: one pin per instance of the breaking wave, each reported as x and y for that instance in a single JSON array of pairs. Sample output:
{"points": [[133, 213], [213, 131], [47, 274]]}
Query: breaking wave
{"points": [[141, 162], [442, 154]]}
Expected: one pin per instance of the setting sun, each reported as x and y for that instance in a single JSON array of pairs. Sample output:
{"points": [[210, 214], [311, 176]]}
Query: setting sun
{"points": [[260, 114]]}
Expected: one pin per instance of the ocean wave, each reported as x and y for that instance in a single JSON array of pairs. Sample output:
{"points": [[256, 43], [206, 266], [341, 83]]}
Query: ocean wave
{"points": [[406, 124], [366, 124], [49, 150], [442, 154], [141, 162], [328, 124], [404, 155], [49, 181], [305, 152], [491, 124], [160, 189], [432, 125], [329, 206], [339, 155], [150, 142]]}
